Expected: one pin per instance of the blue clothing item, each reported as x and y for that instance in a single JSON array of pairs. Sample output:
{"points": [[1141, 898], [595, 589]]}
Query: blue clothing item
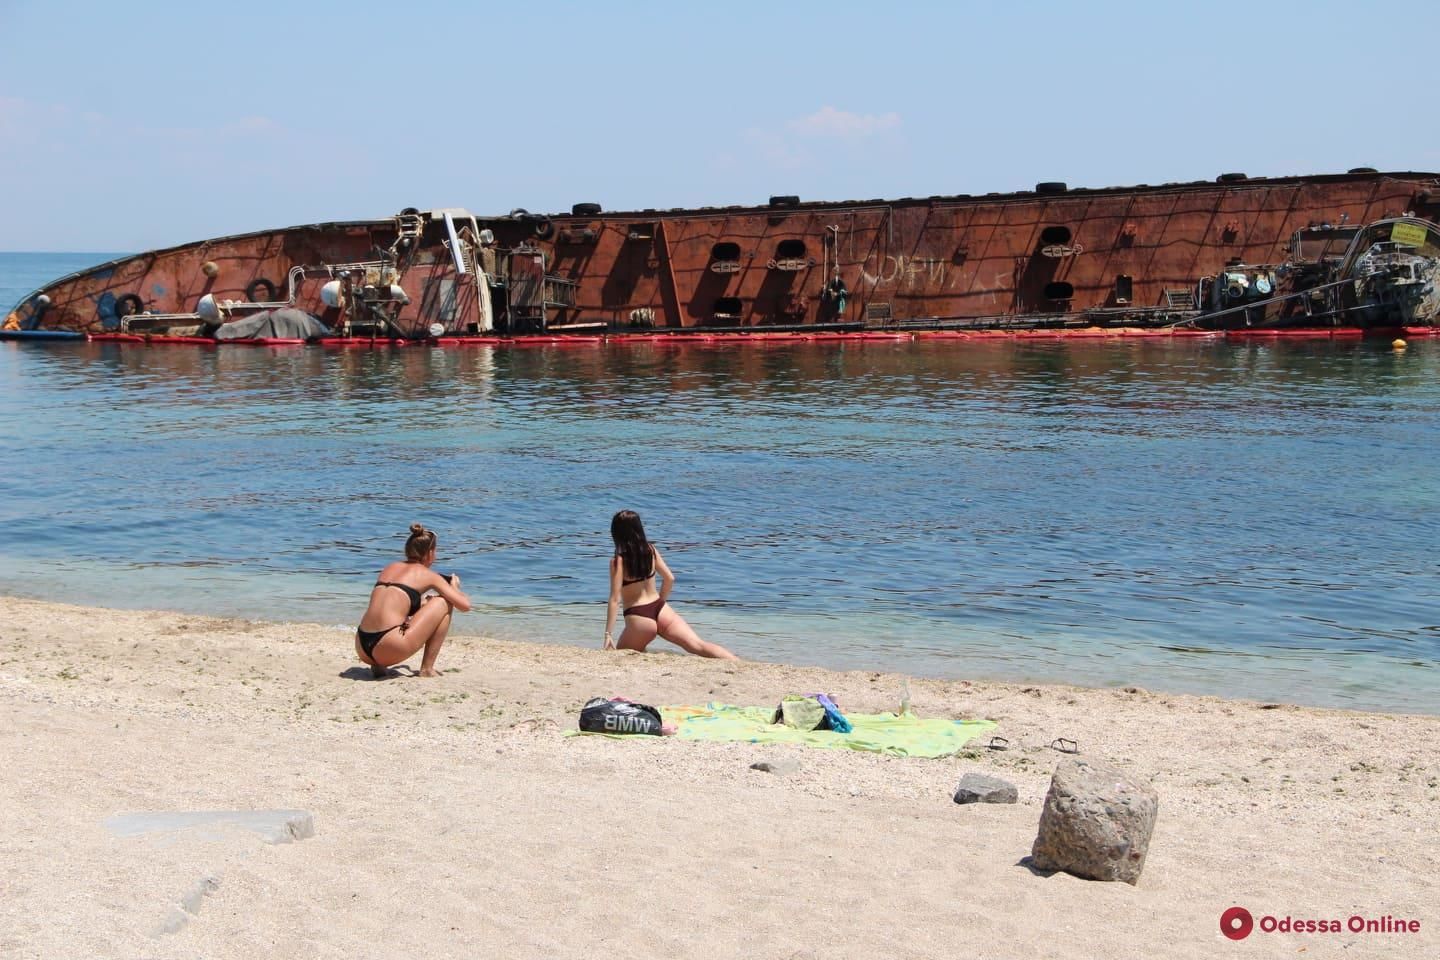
{"points": [[837, 720]]}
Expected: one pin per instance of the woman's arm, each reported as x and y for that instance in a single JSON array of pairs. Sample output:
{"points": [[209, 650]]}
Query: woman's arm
{"points": [[450, 590], [667, 579], [613, 607]]}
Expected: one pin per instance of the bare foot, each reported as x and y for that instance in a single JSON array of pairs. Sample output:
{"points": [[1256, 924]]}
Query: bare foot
{"points": [[431, 672], [381, 673], [668, 729]]}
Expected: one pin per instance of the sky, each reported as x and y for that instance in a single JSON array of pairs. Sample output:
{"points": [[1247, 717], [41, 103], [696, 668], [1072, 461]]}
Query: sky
{"points": [[126, 127]]}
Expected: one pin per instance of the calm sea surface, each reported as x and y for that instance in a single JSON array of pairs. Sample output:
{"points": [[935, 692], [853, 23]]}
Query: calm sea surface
{"points": [[1251, 519]]}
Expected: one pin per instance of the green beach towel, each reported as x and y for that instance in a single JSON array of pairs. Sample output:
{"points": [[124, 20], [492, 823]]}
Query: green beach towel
{"points": [[888, 733]]}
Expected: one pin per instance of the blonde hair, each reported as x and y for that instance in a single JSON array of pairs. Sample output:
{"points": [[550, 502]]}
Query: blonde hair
{"points": [[421, 542]]}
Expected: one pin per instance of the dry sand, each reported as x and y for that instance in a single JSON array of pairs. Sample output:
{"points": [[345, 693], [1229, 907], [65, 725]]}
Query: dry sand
{"points": [[453, 819]]}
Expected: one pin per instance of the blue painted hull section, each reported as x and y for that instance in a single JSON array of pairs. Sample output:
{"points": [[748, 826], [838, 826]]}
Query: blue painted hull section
{"points": [[40, 335]]}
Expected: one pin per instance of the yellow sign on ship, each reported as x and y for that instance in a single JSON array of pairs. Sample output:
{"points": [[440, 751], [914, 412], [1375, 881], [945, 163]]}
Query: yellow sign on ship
{"points": [[1408, 234]]}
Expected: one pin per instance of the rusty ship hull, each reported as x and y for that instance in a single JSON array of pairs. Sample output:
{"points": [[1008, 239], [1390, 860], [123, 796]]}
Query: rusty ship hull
{"points": [[1055, 259]]}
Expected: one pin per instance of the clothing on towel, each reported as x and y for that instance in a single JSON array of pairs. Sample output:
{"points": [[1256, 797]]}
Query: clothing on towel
{"points": [[836, 720], [888, 733], [801, 713]]}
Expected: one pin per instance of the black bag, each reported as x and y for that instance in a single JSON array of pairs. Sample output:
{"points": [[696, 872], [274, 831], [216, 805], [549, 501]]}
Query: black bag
{"points": [[619, 716]]}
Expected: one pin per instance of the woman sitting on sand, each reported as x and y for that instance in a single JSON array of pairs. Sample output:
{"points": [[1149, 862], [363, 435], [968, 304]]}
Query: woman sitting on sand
{"points": [[401, 619], [632, 588]]}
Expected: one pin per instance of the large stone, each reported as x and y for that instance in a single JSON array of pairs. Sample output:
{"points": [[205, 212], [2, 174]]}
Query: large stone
{"points": [[978, 788], [1096, 823]]}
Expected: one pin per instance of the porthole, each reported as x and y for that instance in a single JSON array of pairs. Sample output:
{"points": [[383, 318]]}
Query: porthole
{"points": [[727, 308]]}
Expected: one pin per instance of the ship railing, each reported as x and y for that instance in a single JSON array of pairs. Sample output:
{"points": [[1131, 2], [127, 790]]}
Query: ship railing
{"points": [[232, 306], [294, 278], [143, 321], [334, 269]]}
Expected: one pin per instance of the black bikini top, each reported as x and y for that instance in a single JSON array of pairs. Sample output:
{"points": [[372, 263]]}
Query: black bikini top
{"points": [[411, 591]]}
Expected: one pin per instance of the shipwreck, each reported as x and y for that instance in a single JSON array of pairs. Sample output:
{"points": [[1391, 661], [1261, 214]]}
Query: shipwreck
{"points": [[1328, 255]]}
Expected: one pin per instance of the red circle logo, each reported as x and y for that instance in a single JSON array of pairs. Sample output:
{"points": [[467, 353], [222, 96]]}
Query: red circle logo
{"points": [[1236, 923]]}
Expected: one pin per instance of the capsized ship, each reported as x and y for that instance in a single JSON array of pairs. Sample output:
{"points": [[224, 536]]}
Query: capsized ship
{"points": [[1324, 254]]}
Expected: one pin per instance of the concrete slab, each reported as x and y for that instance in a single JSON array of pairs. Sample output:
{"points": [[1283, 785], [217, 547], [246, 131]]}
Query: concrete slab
{"points": [[273, 826]]}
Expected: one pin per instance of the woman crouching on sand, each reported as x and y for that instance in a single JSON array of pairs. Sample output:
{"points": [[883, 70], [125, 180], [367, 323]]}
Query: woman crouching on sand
{"points": [[632, 589], [401, 619]]}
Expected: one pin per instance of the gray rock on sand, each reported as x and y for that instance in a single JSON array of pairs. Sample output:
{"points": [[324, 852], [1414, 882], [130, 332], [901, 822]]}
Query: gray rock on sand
{"points": [[1096, 823], [780, 767], [978, 788]]}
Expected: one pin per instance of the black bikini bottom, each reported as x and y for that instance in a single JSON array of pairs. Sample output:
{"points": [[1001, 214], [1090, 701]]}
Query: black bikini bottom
{"points": [[370, 638], [651, 610]]}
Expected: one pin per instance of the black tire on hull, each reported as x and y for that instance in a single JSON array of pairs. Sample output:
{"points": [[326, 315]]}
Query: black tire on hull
{"points": [[255, 287], [128, 305]]}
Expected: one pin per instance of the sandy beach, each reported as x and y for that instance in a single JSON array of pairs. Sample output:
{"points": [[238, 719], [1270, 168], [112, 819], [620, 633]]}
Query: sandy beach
{"points": [[453, 819]]}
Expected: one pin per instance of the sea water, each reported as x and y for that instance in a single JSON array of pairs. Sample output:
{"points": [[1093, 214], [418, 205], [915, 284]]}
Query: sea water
{"points": [[1241, 518]]}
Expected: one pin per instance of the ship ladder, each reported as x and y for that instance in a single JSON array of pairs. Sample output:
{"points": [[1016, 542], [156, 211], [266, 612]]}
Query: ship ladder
{"points": [[1183, 299]]}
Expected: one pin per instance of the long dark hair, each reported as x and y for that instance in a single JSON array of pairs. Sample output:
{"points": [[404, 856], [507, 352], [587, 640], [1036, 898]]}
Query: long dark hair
{"points": [[637, 556]]}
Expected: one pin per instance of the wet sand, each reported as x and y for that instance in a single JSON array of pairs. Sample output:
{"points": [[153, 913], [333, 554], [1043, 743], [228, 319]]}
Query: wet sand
{"points": [[453, 819]]}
